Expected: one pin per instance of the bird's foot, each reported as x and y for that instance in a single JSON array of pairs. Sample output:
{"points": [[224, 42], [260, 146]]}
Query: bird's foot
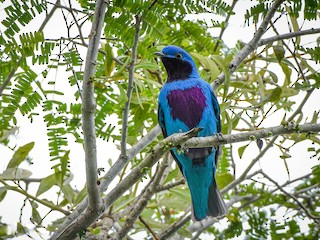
{"points": [[219, 137]]}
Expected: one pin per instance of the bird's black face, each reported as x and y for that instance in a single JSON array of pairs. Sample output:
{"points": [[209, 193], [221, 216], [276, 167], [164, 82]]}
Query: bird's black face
{"points": [[177, 69]]}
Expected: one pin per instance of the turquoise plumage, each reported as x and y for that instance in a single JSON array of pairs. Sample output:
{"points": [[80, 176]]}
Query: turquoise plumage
{"points": [[185, 102]]}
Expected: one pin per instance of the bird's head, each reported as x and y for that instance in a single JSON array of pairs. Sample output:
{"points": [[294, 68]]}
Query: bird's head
{"points": [[178, 63]]}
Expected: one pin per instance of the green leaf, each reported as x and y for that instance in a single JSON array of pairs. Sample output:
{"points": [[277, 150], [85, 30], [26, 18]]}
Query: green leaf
{"points": [[68, 192], [289, 92], [36, 216], [209, 64], [172, 175], [148, 66], [3, 192], [46, 183], [285, 155], [109, 62], [123, 95], [21, 229], [241, 150], [224, 179], [279, 52], [274, 95], [20, 155], [81, 195], [15, 173]]}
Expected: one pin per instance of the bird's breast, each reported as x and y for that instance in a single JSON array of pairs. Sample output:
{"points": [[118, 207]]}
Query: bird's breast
{"points": [[187, 105]]}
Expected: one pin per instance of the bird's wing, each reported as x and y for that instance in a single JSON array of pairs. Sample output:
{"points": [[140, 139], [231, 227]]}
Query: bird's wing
{"points": [[161, 121], [216, 109], [162, 124]]}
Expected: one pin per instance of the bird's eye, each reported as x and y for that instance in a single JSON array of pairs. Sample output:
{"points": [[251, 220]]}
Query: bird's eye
{"points": [[179, 56]]}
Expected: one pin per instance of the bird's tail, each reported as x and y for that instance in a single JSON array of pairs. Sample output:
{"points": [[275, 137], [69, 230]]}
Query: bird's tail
{"points": [[216, 205], [213, 205]]}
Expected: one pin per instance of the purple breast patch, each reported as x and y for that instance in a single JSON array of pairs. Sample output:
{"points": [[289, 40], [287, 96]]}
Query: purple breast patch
{"points": [[187, 105]]}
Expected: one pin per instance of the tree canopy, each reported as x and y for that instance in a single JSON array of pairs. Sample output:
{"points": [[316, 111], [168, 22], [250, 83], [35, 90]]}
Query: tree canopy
{"points": [[86, 71]]}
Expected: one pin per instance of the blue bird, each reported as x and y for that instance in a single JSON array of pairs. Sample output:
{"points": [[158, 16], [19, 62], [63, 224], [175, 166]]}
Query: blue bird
{"points": [[185, 102]]}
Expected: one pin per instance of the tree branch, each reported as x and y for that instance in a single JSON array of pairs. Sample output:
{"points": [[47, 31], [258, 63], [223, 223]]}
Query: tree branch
{"points": [[287, 36], [113, 172], [126, 109], [155, 236], [89, 107], [170, 185], [171, 229], [143, 200], [305, 209], [234, 2], [251, 46], [96, 206], [202, 225], [216, 140], [158, 151], [82, 219], [29, 196], [256, 198]]}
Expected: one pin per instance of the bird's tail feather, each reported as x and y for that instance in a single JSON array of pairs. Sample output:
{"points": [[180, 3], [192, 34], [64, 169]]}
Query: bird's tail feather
{"points": [[216, 205]]}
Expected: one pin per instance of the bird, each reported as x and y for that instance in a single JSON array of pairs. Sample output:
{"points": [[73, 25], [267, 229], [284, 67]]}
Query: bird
{"points": [[185, 102]]}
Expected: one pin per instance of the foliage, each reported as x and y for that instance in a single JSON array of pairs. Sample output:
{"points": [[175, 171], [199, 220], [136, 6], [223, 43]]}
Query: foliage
{"points": [[266, 90]]}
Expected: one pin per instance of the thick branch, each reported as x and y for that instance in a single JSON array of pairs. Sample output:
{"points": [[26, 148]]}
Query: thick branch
{"points": [[88, 125], [113, 172], [159, 150], [88, 109], [84, 219], [251, 46]]}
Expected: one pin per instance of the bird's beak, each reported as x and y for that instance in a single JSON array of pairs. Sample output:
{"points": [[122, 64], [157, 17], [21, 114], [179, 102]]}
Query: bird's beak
{"points": [[160, 54]]}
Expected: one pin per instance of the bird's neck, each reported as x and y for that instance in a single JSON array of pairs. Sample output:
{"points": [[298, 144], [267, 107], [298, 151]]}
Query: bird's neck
{"points": [[179, 70]]}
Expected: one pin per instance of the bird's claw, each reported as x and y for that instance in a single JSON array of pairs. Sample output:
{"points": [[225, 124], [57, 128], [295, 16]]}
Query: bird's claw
{"points": [[219, 137]]}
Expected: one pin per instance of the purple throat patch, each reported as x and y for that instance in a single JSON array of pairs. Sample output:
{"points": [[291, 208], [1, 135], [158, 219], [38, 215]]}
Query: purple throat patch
{"points": [[187, 105]]}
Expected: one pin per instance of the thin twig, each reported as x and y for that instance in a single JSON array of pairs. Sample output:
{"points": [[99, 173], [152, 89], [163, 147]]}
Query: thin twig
{"points": [[174, 227], [77, 24], [271, 192], [143, 200], [170, 185], [246, 171], [234, 2], [29, 196], [149, 228], [126, 109], [306, 210], [287, 36]]}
